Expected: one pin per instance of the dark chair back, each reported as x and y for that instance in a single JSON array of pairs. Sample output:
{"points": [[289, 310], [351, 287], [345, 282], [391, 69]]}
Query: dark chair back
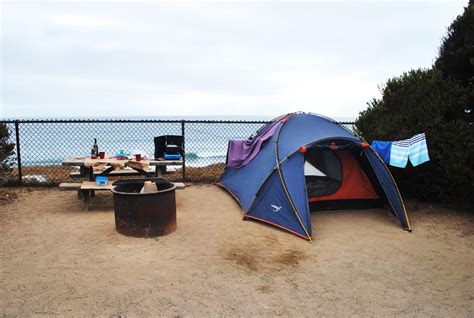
{"points": [[161, 142]]}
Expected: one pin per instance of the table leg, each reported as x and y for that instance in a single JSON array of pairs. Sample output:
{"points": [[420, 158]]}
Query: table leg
{"points": [[87, 200], [89, 173], [158, 172]]}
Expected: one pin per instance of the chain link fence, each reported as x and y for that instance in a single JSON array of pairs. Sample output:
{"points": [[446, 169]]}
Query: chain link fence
{"points": [[42, 145]]}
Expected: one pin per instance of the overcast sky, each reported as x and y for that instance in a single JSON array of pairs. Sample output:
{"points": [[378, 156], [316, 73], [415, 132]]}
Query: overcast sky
{"points": [[235, 58]]}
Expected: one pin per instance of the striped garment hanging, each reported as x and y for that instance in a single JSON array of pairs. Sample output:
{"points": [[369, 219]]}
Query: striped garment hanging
{"points": [[418, 150], [414, 149]]}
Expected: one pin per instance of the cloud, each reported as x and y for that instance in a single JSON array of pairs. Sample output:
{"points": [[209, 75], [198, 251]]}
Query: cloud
{"points": [[209, 58], [79, 21]]}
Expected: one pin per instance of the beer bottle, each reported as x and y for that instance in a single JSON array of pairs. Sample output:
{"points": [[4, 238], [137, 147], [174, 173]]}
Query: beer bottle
{"points": [[94, 150], [96, 147]]}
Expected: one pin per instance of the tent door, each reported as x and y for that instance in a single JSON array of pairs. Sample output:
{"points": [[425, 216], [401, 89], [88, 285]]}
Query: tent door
{"points": [[336, 176], [323, 172]]}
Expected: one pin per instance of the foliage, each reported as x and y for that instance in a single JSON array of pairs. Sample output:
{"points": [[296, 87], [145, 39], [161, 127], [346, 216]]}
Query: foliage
{"points": [[456, 54], [456, 58], [437, 101], [422, 101], [6, 151]]}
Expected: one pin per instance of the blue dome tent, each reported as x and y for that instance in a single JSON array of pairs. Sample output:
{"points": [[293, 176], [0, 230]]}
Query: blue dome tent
{"points": [[302, 162]]}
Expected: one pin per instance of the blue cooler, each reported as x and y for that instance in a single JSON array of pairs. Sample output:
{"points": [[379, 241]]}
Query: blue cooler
{"points": [[101, 181]]}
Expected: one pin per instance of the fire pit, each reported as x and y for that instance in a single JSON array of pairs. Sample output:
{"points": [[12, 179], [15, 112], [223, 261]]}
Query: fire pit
{"points": [[144, 214]]}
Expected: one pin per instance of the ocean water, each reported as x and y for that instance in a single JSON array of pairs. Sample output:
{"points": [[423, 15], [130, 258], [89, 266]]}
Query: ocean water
{"points": [[205, 143]]}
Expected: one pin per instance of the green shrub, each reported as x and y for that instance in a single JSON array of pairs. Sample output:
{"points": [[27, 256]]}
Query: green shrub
{"points": [[439, 102], [6, 151], [456, 54], [422, 101], [456, 58]]}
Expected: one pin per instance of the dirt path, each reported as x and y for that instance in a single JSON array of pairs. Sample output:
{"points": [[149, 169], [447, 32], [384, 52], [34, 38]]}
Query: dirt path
{"points": [[58, 260]]}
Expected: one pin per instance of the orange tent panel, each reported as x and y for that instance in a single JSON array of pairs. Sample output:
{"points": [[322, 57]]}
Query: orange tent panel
{"points": [[355, 184]]}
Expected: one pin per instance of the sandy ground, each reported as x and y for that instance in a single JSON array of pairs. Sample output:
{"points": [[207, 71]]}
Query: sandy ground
{"points": [[57, 260]]}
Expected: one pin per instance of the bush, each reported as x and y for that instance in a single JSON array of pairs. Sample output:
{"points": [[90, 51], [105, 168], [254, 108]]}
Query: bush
{"points": [[6, 151], [456, 58], [422, 101], [439, 102], [456, 54]]}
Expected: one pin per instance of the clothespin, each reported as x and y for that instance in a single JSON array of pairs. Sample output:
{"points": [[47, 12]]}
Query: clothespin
{"points": [[362, 146]]}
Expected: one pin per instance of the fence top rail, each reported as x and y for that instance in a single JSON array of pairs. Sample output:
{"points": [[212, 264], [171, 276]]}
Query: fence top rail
{"points": [[173, 121]]}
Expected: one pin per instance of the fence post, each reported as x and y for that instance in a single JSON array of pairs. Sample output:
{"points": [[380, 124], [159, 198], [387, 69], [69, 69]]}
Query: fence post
{"points": [[184, 150], [18, 154]]}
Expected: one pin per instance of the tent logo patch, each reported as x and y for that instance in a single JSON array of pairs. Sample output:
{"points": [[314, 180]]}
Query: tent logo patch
{"points": [[275, 208]]}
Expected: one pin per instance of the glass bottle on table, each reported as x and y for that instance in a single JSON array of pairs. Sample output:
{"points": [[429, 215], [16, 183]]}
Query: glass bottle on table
{"points": [[95, 149]]}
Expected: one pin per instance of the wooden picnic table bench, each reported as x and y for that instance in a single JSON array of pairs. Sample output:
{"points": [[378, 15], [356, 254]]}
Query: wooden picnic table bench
{"points": [[114, 173], [86, 189]]}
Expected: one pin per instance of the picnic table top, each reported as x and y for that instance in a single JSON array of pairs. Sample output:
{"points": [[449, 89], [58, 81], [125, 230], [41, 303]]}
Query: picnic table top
{"points": [[79, 161]]}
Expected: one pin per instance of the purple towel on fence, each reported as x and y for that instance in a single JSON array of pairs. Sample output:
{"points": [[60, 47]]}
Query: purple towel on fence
{"points": [[241, 152]]}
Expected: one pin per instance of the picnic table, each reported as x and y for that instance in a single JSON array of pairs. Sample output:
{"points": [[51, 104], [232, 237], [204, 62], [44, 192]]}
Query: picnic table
{"points": [[90, 168]]}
